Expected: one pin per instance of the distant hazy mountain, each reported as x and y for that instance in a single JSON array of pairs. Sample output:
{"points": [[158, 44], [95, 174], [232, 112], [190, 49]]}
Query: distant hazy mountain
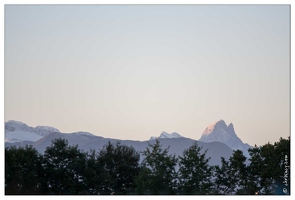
{"points": [[20, 134], [220, 132], [218, 138], [216, 150], [167, 135], [16, 131]]}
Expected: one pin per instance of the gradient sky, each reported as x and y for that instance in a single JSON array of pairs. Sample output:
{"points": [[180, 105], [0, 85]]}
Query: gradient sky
{"points": [[133, 71]]}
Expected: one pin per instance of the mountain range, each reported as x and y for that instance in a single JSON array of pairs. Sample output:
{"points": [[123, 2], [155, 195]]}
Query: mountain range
{"points": [[219, 139]]}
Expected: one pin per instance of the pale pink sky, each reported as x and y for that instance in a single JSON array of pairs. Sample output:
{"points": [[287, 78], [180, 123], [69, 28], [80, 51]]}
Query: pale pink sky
{"points": [[130, 72]]}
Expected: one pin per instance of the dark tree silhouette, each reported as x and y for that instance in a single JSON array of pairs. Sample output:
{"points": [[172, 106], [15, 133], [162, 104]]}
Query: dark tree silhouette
{"points": [[64, 167], [194, 172], [120, 165], [157, 175], [23, 171]]}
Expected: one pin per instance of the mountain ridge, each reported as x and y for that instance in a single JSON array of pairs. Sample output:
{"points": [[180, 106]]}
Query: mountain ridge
{"points": [[19, 132], [215, 150]]}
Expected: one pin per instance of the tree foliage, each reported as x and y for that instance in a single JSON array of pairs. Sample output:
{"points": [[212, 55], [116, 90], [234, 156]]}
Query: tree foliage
{"points": [[120, 165], [23, 170], [64, 167], [157, 175], [194, 172], [239, 171], [116, 169], [224, 181]]}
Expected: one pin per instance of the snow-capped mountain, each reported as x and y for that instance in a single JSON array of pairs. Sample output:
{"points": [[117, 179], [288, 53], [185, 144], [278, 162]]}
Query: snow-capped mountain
{"points": [[220, 132], [12, 125], [167, 135], [16, 131]]}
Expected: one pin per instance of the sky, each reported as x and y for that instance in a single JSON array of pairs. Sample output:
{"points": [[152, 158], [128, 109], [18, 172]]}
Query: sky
{"points": [[133, 71]]}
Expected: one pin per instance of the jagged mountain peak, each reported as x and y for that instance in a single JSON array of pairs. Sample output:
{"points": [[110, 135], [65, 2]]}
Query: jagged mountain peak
{"points": [[220, 132], [211, 127], [167, 135]]}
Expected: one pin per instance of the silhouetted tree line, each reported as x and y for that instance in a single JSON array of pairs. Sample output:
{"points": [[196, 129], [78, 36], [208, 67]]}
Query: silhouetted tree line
{"points": [[116, 169]]}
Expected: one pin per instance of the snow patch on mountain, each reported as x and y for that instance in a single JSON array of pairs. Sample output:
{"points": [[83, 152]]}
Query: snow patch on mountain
{"points": [[13, 125], [16, 131], [20, 136], [45, 130], [167, 135], [83, 133]]}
